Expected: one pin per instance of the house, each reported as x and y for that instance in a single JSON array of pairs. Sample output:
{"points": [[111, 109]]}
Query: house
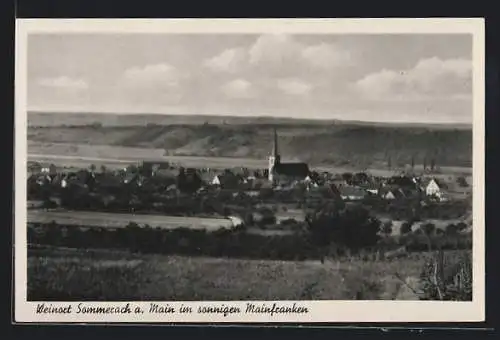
{"points": [[228, 180], [388, 195], [360, 178], [252, 193], [132, 178], [394, 192], [352, 193], [433, 187], [60, 179], [50, 169], [155, 168], [310, 183], [371, 188]]}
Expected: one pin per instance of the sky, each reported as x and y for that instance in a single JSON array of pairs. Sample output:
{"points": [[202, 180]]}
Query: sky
{"points": [[385, 78]]}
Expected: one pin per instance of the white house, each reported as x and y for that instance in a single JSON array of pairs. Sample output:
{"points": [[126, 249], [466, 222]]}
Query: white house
{"points": [[433, 188], [49, 169], [389, 195], [216, 180]]}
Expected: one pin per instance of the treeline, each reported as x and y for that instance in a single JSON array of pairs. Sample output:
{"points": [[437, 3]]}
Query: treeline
{"points": [[238, 243], [406, 209]]}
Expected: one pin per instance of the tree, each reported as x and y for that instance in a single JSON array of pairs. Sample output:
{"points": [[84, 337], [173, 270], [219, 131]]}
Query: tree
{"points": [[433, 164], [406, 228], [352, 228], [461, 226], [103, 168], [462, 182], [451, 229], [387, 228], [92, 167], [347, 176], [429, 229]]}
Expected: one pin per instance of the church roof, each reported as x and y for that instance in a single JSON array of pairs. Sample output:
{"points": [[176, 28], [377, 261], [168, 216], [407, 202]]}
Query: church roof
{"points": [[292, 169]]}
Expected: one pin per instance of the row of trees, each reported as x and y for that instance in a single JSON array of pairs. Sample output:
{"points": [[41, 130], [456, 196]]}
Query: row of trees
{"points": [[330, 231]]}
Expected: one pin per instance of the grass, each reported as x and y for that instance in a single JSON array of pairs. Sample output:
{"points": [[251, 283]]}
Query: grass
{"points": [[112, 220], [72, 275]]}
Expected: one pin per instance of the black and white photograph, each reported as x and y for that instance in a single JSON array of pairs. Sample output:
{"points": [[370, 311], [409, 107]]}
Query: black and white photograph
{"points": [[251, 170]]}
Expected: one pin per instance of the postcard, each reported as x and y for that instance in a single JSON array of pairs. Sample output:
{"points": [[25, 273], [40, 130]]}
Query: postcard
{"points": [[249, 170]]}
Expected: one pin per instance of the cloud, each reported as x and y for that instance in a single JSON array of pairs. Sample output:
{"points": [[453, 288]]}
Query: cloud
{"points": [[326, 56], [294, 86], [238, 88], [432, 77], [231, 60], [156, 75], [63, 82], [274, 50], [279, 55]]}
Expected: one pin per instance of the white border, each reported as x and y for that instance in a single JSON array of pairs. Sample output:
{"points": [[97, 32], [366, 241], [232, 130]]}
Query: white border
{"points": [[319, 311]]}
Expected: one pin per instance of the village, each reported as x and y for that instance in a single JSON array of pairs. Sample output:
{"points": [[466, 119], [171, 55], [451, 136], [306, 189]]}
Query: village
{"points": [[273, 199]]}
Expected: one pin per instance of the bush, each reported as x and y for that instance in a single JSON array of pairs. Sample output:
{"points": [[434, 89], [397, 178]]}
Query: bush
{"points": [[387, 228], [451, 229], [406, 228], [445, 279], [428, 228], [353, 228], [461, 226]]}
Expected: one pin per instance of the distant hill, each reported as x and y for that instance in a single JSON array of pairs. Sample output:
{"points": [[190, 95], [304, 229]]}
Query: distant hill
{"points": [[319, 142], [39, 118]]}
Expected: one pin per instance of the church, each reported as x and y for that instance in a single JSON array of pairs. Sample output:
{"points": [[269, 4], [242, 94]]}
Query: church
{"points": [[285, 172]]}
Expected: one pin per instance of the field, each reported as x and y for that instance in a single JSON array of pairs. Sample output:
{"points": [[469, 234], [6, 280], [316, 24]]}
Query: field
{"points": [[320, 143], [109, 220], [94, 151], [83, 156], [66, 274]]}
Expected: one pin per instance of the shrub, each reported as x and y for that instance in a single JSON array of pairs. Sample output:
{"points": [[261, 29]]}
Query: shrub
{"points": [[428, 228], [387, 228], [406, 228], [447, 280], [451, 229], [461, 226], [351, 228]]}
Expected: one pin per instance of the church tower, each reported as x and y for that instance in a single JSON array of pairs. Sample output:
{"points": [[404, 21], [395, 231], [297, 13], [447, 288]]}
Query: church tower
{"points": [[274, 159]]}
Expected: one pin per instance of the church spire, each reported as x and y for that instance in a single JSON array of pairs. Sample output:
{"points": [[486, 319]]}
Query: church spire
{"points": [[275, 146], [274, 158]]}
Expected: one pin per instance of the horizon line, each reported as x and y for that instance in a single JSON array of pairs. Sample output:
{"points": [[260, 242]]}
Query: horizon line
{"points": [[263, 116]]}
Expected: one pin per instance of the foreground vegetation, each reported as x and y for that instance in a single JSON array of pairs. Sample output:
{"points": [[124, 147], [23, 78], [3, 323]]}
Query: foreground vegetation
{"points": [[61, 274], [346, 238]]}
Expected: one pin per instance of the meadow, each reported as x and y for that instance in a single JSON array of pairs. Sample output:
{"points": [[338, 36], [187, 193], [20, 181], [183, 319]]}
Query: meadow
{"points": [[69, 275], [110, 220]]}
